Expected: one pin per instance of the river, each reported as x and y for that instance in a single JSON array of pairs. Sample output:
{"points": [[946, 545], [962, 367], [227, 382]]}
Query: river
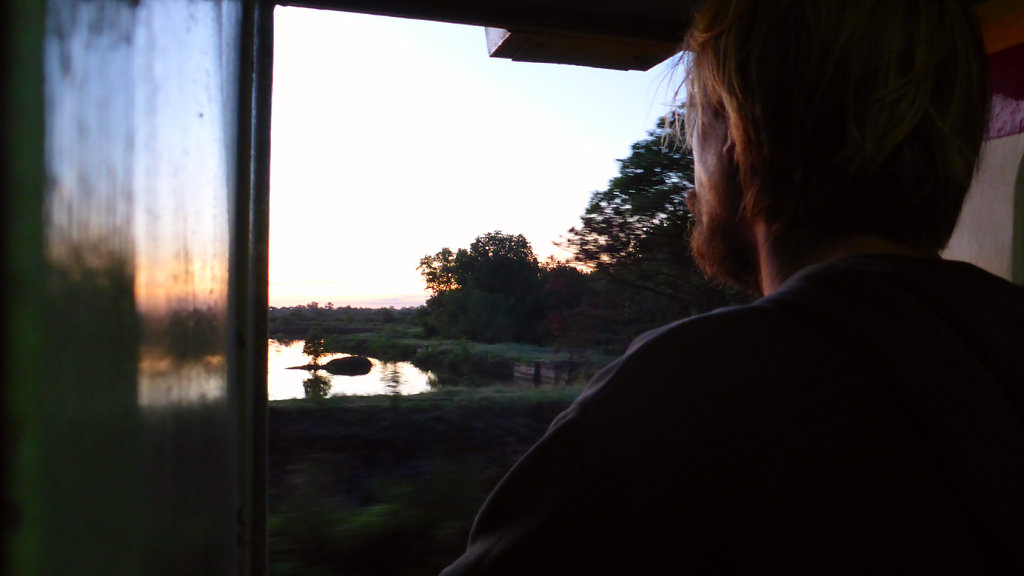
{"points": [[384, 377]]}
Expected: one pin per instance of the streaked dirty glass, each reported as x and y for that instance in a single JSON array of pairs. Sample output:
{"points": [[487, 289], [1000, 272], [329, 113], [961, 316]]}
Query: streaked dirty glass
{"points": [[141, 121]]}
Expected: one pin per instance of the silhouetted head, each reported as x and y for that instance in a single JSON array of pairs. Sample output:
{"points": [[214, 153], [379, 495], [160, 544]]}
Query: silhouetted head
{"points": [[842, 117]]}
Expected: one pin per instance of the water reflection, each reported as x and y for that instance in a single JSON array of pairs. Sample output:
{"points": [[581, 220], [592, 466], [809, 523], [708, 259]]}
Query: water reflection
{"points": [[392, 377], [284, 382], [317, 386], [165, 381]]}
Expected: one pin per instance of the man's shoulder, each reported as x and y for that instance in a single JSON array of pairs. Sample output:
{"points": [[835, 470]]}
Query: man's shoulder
{"points": [[719, 353], [703, 328], [842, 322], [877, 277], [720, 340]]}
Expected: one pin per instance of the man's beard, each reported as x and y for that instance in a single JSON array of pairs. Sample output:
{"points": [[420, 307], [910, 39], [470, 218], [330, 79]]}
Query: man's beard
{"points": [[722, 241]]}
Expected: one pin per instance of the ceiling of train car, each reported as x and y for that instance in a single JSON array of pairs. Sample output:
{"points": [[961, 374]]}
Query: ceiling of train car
{"points": [[633, 35]]}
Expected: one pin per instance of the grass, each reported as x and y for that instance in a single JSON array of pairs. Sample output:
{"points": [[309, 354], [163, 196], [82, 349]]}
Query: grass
{"points": [[389, 485]]}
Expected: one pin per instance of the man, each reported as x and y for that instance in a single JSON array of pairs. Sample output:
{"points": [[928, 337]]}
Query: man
{"points": [[866, 413]]}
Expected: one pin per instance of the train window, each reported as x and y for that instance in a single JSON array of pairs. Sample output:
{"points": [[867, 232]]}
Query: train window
{"points": [[421, 198]]}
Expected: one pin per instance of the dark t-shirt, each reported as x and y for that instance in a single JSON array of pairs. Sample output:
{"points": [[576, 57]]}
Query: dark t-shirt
{"points": [[866, 416]]}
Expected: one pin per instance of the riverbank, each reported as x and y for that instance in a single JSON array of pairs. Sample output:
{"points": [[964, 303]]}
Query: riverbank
{"points": [[390, 484], [471, 364]]}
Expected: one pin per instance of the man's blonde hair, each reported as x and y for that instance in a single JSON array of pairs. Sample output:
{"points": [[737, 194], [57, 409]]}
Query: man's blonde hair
{"points": [[848, 116]]}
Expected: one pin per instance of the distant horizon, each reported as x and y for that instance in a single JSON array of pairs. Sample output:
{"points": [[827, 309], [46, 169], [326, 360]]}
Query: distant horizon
{"points": [[388, 301]]}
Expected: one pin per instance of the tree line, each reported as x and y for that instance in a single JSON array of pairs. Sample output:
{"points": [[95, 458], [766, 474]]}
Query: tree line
{"points": [[630, 268]]}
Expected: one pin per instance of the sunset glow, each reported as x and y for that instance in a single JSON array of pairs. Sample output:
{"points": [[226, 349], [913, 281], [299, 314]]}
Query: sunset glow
{"points": [[395, 138]]}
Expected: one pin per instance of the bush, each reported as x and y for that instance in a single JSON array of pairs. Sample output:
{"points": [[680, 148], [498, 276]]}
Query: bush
{"points": [[408, 528], [464, 364]]}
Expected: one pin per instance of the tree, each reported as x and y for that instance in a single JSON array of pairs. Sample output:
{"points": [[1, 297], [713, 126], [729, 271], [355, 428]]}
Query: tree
{"points": [[490, 292], [440, 271], [501, 263], [633, 238], [635, 231], [314, 346], [564, 291]]}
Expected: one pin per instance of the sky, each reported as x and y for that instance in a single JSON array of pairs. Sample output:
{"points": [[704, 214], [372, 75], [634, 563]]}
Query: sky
{"points": [[394, 138]]}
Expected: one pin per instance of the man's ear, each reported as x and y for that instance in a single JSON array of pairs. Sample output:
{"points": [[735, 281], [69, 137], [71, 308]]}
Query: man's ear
{"points": [[729, 148], [729, 152]]}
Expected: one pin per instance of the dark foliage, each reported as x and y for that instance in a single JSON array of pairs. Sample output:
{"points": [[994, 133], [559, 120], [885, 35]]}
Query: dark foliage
{"points": [[634, 239], [314, 345], [294, 322], [390, 488], [492, 292]]}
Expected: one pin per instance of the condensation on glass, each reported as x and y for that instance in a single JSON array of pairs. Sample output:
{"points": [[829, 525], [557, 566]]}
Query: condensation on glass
{"points": [[140, 153]]}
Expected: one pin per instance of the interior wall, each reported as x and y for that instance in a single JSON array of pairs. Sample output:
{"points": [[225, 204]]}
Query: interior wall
{"points": [[989, 227], [990, 232], [1018, 236]]}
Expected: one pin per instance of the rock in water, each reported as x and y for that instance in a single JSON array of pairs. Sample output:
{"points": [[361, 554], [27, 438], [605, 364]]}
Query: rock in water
{"points": [[349, 366]]}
